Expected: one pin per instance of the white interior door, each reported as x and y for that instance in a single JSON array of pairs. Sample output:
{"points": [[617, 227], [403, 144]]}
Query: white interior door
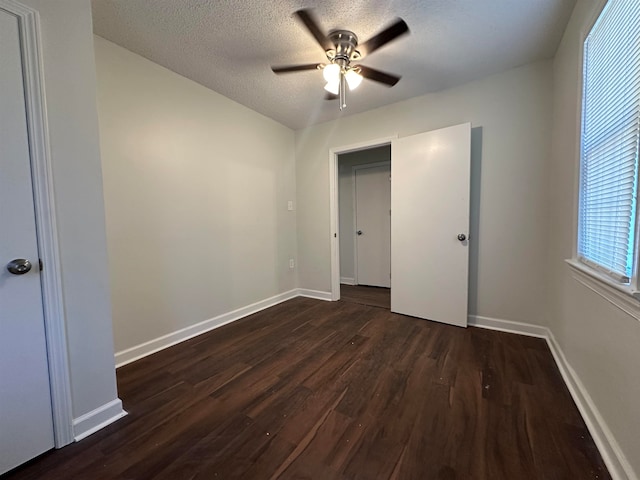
{"points": [[430, 205], [26, 426], [373, 225]]}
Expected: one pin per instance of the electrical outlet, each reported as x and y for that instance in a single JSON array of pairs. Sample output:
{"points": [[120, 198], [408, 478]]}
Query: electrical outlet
{"points": [[292, 263], [290, 205]]}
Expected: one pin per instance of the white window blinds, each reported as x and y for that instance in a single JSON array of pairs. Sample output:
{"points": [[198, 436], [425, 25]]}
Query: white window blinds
{"points": [[609, 147]]}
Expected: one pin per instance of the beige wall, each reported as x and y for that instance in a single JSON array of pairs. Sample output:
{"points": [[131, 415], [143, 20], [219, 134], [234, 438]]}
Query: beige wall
{"points": [[511, 116], [346, 162], [196, 189], [600, 341], [70, 83]]}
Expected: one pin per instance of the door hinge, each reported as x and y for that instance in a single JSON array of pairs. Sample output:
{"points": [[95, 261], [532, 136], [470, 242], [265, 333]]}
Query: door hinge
{"points": [[40, 264]]}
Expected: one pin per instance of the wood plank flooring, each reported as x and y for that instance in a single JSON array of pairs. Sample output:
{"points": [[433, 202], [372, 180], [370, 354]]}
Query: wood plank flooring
{"points": [[337, 390], [364, 295]]}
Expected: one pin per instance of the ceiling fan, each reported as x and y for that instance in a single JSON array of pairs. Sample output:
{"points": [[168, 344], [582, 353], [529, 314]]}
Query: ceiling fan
{"points": [[341, 48]]}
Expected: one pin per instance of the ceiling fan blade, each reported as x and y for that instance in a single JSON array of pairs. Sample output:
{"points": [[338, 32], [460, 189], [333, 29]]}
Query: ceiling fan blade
{"points": [[307, 17], [377, 76], [331, 96], [398, 28], [295, 68]]}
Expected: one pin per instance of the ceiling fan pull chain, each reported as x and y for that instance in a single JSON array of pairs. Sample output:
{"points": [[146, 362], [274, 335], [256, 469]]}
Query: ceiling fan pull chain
{"points": [[343, 91]]}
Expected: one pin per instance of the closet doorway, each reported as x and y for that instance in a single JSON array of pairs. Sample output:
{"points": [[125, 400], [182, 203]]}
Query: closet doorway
{"points": [[430, 191], [364, 199]]}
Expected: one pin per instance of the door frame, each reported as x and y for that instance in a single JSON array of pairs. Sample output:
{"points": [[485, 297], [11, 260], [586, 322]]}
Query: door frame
{"points": [[45, 214], [354, 169], [334, 218]]}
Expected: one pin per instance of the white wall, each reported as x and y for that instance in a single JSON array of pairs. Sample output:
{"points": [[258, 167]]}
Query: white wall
{"points": [[196, 189], [70, 83], [346, 162], [601, 342], [511, 116]]}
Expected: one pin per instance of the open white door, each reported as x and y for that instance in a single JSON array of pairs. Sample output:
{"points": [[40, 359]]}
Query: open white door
{"points": [[26, 425], [430, 223]]}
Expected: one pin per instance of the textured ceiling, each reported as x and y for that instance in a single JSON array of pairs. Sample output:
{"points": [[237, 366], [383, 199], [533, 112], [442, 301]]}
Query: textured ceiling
{"points": [[229, 45]]}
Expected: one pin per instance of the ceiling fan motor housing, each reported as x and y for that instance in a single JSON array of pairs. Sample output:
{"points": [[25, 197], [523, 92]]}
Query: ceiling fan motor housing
{"points": [[346, 43]]}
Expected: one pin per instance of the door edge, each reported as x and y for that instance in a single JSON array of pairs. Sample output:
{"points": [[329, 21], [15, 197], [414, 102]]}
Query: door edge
{"points": [[46, 224]]}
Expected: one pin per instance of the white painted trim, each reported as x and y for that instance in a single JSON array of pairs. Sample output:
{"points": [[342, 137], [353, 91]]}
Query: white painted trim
{"points": [[53, 305], [132, 354], [334, 223], [615, 460], [617, 464], [619, 296], [354, 222], [347, 281], [317, 294], [91, 422], [152, 346], [508, 326], [334, 220]]}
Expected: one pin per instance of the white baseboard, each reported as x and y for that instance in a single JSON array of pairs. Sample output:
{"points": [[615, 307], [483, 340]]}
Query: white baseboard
{"points": [[152, 346], [91, 422], [348, 280], [508, 326], [317, 294], [615, 460]]}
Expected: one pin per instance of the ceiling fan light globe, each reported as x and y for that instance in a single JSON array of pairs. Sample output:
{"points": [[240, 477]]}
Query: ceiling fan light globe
{"points": [[333, 87], [354, 79], [331, 73]]}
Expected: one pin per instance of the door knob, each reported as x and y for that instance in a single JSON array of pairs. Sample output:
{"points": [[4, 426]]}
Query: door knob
{"points": [[19, 266], [462, 237], [359, 232]]}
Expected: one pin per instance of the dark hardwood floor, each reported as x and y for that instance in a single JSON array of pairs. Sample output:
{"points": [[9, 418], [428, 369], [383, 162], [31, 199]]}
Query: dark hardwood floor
{"points": [[372, 296], [337, 390]]}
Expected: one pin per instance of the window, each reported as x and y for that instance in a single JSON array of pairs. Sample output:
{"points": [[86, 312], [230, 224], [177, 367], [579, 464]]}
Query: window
{"points": [[607, 218]]}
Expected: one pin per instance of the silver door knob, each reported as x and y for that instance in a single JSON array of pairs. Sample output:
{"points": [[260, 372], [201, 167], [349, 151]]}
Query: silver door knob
{"points": [[462, 237], [359, 232], [19, 266]]}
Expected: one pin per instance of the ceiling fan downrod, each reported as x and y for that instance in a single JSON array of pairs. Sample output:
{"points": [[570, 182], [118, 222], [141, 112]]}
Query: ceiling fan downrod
{"points": [[343, 92]]}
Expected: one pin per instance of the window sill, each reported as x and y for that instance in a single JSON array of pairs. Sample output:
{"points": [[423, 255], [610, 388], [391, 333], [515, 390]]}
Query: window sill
{"points": [[620, 296]]}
